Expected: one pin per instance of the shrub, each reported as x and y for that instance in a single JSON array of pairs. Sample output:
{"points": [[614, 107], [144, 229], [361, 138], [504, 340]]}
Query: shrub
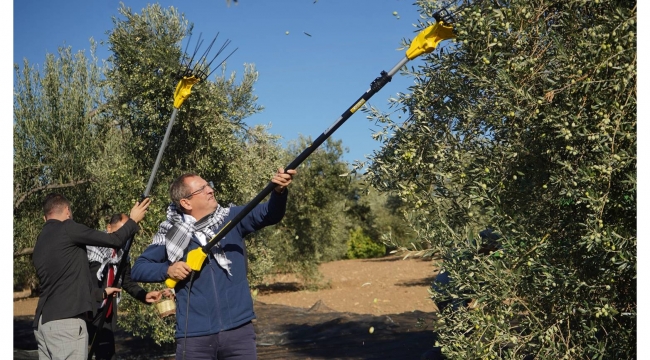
{"points": [[361, 246]]}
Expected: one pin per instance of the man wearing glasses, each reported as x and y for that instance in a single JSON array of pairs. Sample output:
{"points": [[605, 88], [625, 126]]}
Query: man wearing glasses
{"points": [[215, 309]]}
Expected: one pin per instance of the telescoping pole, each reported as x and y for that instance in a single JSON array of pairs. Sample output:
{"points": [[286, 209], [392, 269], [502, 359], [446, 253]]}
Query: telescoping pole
{"points": [[183, 90], [190, 73], [426, 41]]}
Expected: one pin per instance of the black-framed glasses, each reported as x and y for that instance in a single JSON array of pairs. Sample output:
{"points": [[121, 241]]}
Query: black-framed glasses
{"points": [[200, 190]]}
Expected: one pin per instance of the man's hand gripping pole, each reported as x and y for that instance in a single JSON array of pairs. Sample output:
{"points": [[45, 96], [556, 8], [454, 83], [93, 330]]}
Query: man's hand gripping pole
{"points": [[195, 259]]}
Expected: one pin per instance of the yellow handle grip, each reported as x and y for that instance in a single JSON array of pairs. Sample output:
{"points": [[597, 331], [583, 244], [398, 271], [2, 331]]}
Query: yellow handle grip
{"points": [[171, 283], [195, 259]]}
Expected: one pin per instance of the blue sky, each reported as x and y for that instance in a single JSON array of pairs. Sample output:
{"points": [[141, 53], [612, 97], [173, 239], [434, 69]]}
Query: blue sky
{"points": [[305, 82]]}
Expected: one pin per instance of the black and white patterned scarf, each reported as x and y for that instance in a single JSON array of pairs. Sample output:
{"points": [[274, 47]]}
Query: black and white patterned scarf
{"points": [[103, 255], [176, 232]]}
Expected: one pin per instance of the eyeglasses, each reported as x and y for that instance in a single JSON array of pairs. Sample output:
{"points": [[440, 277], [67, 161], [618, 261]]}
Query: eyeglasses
{"points": [[200, 190]]}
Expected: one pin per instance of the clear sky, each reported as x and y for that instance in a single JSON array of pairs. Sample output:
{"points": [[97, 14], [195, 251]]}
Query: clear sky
{"points": [[305, 82]]}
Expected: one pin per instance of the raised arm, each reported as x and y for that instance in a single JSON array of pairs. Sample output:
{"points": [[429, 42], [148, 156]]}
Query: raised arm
{"points": [[272, 211], [82, 235]]}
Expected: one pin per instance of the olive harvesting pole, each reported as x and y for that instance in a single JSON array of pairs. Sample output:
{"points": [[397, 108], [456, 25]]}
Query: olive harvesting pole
{"points": [[190, 73], [426, 41]]}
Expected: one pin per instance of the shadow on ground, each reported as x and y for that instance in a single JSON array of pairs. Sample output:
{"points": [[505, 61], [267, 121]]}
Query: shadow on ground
{"points": [[285, 332], [422, 282], [320, 333], [279, 287]]}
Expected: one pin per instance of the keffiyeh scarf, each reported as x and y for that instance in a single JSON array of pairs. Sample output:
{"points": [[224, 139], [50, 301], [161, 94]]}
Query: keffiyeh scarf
{"points": [[176, 232], [104, 256]]}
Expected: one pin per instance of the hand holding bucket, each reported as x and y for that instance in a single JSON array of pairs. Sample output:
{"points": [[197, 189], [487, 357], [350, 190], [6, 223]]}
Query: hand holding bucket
{"points": [[167, 305]]}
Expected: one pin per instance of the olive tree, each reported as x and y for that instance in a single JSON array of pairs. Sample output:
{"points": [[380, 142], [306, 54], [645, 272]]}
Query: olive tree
{"points": [[379, 214], [525, 123], [314, 229], [58, 133]]}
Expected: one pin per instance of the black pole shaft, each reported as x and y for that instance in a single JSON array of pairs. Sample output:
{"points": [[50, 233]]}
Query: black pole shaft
{"points": [[160, 153], [376, 85], [125, 254]]}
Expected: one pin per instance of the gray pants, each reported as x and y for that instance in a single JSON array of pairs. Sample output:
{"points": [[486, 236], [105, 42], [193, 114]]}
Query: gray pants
{"points": [[65, 339]]}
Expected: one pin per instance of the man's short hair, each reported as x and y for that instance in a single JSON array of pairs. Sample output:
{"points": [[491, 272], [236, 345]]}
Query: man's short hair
{"points": [[116, 218], [54, 204], [179, 190]]}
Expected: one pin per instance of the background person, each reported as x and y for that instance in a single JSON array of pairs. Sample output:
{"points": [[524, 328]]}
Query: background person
{"points": [[104, 263], [61, 264]]}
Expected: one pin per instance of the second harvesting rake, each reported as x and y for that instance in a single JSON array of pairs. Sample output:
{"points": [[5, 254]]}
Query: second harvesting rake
{"points": [[191, 72]]}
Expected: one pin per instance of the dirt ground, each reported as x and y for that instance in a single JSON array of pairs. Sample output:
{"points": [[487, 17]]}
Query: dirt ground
{"points": [[387, 285], [388, 294], [373, 286]]}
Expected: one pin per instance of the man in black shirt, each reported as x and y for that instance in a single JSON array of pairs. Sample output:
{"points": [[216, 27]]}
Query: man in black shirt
{"points": [[61, 264]]}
